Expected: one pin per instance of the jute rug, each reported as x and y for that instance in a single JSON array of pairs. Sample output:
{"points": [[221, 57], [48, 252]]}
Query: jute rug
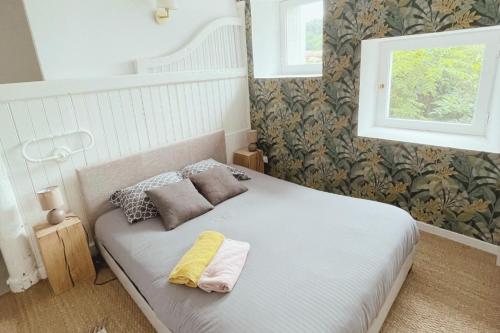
{"points": [[452, 288]]}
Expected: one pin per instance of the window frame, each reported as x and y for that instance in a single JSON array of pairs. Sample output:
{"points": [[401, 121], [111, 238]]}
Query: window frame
{"points": [[374, 106], [291, 69]]}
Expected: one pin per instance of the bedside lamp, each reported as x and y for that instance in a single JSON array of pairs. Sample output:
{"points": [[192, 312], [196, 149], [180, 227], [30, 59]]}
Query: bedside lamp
{"points": [[252, 140], [51, 199]]}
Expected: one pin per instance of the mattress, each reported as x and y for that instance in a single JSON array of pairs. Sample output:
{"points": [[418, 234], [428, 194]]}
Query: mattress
{"points": [[318, 262]]}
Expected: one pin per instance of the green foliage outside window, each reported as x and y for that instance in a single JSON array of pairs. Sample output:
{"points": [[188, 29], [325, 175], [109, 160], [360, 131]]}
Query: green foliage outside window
{"points": [[314, 41], [314, 35], [436, 84]]}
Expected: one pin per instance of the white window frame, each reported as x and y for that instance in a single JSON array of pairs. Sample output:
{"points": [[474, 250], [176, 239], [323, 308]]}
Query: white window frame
{"points": [[292, 69], [374, 120]]}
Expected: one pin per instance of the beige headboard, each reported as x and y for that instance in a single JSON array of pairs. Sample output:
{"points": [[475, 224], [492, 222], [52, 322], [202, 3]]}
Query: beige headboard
{"points": [[98, 182]]}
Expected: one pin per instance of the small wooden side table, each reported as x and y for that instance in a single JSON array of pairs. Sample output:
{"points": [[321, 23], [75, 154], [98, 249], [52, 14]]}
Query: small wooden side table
{"points": [[65, 253], [249, 159]]}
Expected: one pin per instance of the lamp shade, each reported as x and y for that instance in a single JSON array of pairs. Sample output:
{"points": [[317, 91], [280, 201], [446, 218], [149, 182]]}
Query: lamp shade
{"points": [[252, 136], [169, 4], [50, 198]]}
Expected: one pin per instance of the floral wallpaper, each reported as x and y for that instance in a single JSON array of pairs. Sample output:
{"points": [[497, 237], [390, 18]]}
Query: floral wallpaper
{"points": [[307, 127]]}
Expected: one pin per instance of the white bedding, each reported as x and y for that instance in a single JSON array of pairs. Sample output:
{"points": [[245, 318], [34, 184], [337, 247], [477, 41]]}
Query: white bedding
{"points": [[318, 262]]}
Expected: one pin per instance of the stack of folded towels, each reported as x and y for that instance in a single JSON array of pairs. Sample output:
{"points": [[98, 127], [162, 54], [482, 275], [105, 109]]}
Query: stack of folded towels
{"points": [[213, 263]]}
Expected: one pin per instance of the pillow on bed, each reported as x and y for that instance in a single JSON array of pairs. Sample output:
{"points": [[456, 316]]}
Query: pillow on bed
{"points": [[136, 205], [217, 185], [196, 168], [178, 203]]}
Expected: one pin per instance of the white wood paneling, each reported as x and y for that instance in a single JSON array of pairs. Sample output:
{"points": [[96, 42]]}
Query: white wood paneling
{"points": [[199, 89], [123, 120], [219, 46]]}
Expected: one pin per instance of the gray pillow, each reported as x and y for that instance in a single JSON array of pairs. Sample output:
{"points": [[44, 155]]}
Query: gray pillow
{"points": [[217, 185], [201, 166], [178, 203], [135, 203]]}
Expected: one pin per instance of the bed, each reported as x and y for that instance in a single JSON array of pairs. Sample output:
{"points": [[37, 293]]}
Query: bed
{"points": [[318, 262]]}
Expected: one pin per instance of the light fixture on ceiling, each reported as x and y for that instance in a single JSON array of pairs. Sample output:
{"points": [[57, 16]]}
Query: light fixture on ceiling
{"points": [[163, 10]]}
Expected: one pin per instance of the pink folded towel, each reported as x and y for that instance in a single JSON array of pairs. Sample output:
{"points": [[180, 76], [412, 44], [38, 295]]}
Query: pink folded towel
{"points": [[223, 272]]}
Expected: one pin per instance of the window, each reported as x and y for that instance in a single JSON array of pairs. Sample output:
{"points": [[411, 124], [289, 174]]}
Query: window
{"points": [[302, 36], [439, 88], [287, 37]]}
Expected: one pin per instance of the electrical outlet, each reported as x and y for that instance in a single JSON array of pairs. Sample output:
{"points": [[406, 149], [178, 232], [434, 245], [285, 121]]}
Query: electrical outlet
{"points": [[266, 160]]}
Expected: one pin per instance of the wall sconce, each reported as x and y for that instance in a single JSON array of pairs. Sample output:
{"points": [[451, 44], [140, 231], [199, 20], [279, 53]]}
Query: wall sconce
{"points": [[163, 10]]}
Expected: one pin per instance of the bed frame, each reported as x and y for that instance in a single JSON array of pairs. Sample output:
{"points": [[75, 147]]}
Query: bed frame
{"points": [[133, 292], [161, 328], [100, 181]]}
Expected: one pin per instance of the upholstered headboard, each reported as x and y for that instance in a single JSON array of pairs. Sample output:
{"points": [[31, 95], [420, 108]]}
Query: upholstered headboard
{"points": [[98, 182]]}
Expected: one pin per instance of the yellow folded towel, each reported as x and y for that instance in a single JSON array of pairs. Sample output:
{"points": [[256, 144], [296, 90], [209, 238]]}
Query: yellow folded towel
{"points": [[188, 270]]}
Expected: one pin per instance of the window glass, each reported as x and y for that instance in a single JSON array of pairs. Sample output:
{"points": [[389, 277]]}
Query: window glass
{"points": [[436, 84], [304, 33]]}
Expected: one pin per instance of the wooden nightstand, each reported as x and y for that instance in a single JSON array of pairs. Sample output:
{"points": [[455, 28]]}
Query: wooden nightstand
{"points": [[65, 253], [253, 160]]}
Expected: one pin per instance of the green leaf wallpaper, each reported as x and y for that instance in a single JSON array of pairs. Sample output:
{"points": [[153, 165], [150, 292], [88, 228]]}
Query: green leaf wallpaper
{"points": [[307, 127]]}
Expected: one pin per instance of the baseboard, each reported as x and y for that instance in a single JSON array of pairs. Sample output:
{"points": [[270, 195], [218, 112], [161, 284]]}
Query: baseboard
{"points": [[22, 284], [462, 239], [42, 273]]}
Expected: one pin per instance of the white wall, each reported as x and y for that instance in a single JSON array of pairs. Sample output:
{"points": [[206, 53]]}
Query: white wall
{"points": [[266, 37], [125, 114], [14, 242], [18, 62], [95, 38]]}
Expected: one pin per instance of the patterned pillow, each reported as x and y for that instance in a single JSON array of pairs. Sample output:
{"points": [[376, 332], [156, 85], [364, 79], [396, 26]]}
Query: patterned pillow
{"points": [[199, 167], [135, 203]]}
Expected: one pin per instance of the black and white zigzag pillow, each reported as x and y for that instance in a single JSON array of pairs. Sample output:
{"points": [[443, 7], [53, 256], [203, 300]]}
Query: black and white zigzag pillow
{"points": [[199, 167], [135, 203]]}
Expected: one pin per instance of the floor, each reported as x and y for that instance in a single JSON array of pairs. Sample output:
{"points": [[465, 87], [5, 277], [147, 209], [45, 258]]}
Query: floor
{"points": [[451, 288], [3, 277]]}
